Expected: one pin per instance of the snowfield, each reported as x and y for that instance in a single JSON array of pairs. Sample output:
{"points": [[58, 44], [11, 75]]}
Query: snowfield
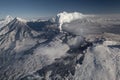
{"points": [[100, 63], [70, 46]]}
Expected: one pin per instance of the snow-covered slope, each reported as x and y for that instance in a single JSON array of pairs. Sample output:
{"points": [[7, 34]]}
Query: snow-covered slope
{"points": [[19, 44], [99, 62]]}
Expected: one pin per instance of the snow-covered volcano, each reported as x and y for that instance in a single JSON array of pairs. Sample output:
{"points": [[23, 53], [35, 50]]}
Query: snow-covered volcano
{"points": [[87, 48]]}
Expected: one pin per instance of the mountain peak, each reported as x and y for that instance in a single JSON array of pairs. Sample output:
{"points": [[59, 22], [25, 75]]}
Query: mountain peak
{"points": [[8, 18], [5, 21]]}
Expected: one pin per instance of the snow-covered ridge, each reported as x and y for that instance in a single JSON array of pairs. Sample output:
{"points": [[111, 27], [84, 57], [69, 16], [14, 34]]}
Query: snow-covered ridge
{"points": [[66, 17], [20, 19]]}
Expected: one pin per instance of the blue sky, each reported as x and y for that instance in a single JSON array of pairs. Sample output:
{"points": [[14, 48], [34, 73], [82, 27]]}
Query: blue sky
{"points": [[42, 8]]}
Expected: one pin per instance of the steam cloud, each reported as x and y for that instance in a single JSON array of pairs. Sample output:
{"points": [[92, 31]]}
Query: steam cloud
{"points": [[67, 18]]}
